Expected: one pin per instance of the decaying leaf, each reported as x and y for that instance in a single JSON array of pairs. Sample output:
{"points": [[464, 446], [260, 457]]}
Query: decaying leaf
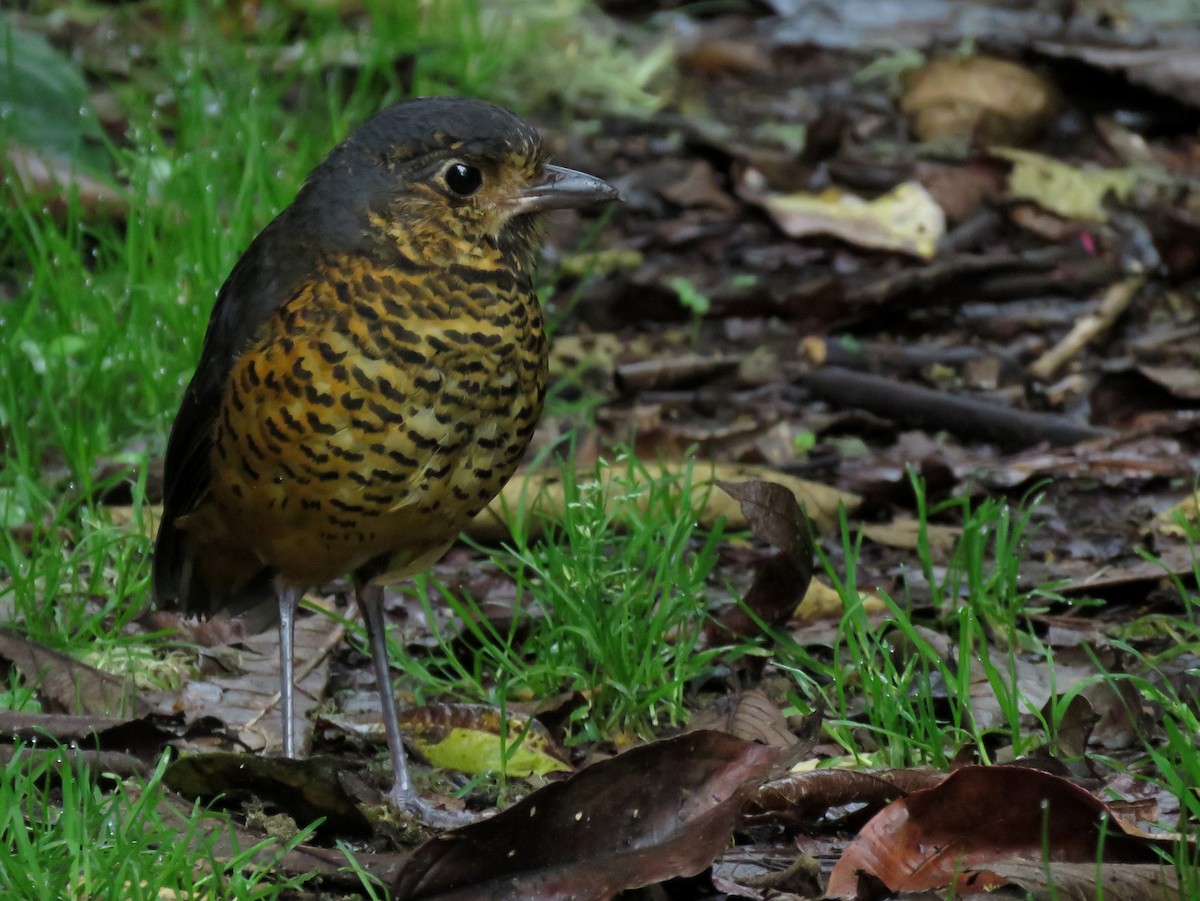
{"points": [[1069, 191], [245, 697], [823, 602], [992, 100], [306, 789], [541, 492], [904, 532], [811, 793], [906, 219], [65, 728], [661, 810], [472, 738], [949, 834], [751, 715], [55, 179], [76, 687], [781, 581], [1174, 520], [1119, 881]]}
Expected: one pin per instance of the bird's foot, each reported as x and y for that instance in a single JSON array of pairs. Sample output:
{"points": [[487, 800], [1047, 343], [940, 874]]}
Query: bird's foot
{"points": [[421, 808]]}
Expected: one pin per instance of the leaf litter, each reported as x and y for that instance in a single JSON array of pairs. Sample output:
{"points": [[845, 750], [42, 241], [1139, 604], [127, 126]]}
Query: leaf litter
{"points": [[973, 263]]}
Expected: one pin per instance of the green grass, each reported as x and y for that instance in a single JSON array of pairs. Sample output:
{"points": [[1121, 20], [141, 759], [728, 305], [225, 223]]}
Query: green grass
{"points": [[980, 617], [610, 604], [101, 323], [105, 319], [78, 581], [1171, 745], [65, 836]]}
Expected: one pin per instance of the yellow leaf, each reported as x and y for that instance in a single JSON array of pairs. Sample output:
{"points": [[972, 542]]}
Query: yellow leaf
{"points": [[1067, 191], [822, 602], [467, 738], [542, 492], [906, 219]]}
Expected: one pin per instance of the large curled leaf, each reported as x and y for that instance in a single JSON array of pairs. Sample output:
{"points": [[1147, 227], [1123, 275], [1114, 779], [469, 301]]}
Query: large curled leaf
{"points": [[655, 812], [48, 129]]}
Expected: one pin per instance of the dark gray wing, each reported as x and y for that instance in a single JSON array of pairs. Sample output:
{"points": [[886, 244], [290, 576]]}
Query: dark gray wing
{"points": [[271, 270]]}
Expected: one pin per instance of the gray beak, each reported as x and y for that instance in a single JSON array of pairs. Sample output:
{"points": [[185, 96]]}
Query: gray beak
{"points": [[562, 188]]}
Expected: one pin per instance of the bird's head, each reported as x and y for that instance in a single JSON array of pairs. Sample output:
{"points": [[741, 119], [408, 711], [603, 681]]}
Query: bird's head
{"points": [[448, 181]]}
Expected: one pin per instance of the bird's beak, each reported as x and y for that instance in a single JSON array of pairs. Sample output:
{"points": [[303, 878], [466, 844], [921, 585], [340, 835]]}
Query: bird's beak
{"points": [[560, 188]]}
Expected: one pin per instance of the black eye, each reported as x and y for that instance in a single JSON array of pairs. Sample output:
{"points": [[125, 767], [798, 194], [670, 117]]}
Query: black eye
{"points": [[463, 180]]}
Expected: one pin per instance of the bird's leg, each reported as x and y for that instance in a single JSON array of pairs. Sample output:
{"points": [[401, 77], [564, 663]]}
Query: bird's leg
{"points": [[289, 599], [370, 602], [403, 795]]}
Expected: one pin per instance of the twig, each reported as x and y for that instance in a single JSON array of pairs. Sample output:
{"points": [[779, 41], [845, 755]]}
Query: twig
{"points": [[965, 416], [1116, 301]]}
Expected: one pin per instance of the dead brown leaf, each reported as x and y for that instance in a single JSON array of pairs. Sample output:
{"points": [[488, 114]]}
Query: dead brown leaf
{"points": [[75, 687], [806, 795], [661, 810], [245, 696], [906, 219], [306, 790], [780, 581], [948, 835], [751, 715]]}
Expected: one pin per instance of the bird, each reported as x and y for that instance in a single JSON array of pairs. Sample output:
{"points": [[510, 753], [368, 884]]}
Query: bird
{"points": [[372, 373]]}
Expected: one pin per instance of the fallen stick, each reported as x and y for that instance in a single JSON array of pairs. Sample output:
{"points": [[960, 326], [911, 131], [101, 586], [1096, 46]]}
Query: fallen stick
{"points": [[963, 415]]}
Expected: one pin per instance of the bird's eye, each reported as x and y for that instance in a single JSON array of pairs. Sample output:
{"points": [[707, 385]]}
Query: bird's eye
{"points": [[463, 180]]}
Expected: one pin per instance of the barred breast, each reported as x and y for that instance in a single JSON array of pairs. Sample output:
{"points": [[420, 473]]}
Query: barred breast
{"points": [[376, 413]]}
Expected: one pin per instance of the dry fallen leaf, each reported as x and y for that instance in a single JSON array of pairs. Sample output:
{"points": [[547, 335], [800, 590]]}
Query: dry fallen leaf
{"points": [[780, 581], [949, 834], [823, 602], [528, 492], [904, 532], [55, 179], [1068, 191], [1120, 881], [992, 100], [906, 219], [245, 697], [660, 810], [751, 715], [807, 793], [73, 685]]}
